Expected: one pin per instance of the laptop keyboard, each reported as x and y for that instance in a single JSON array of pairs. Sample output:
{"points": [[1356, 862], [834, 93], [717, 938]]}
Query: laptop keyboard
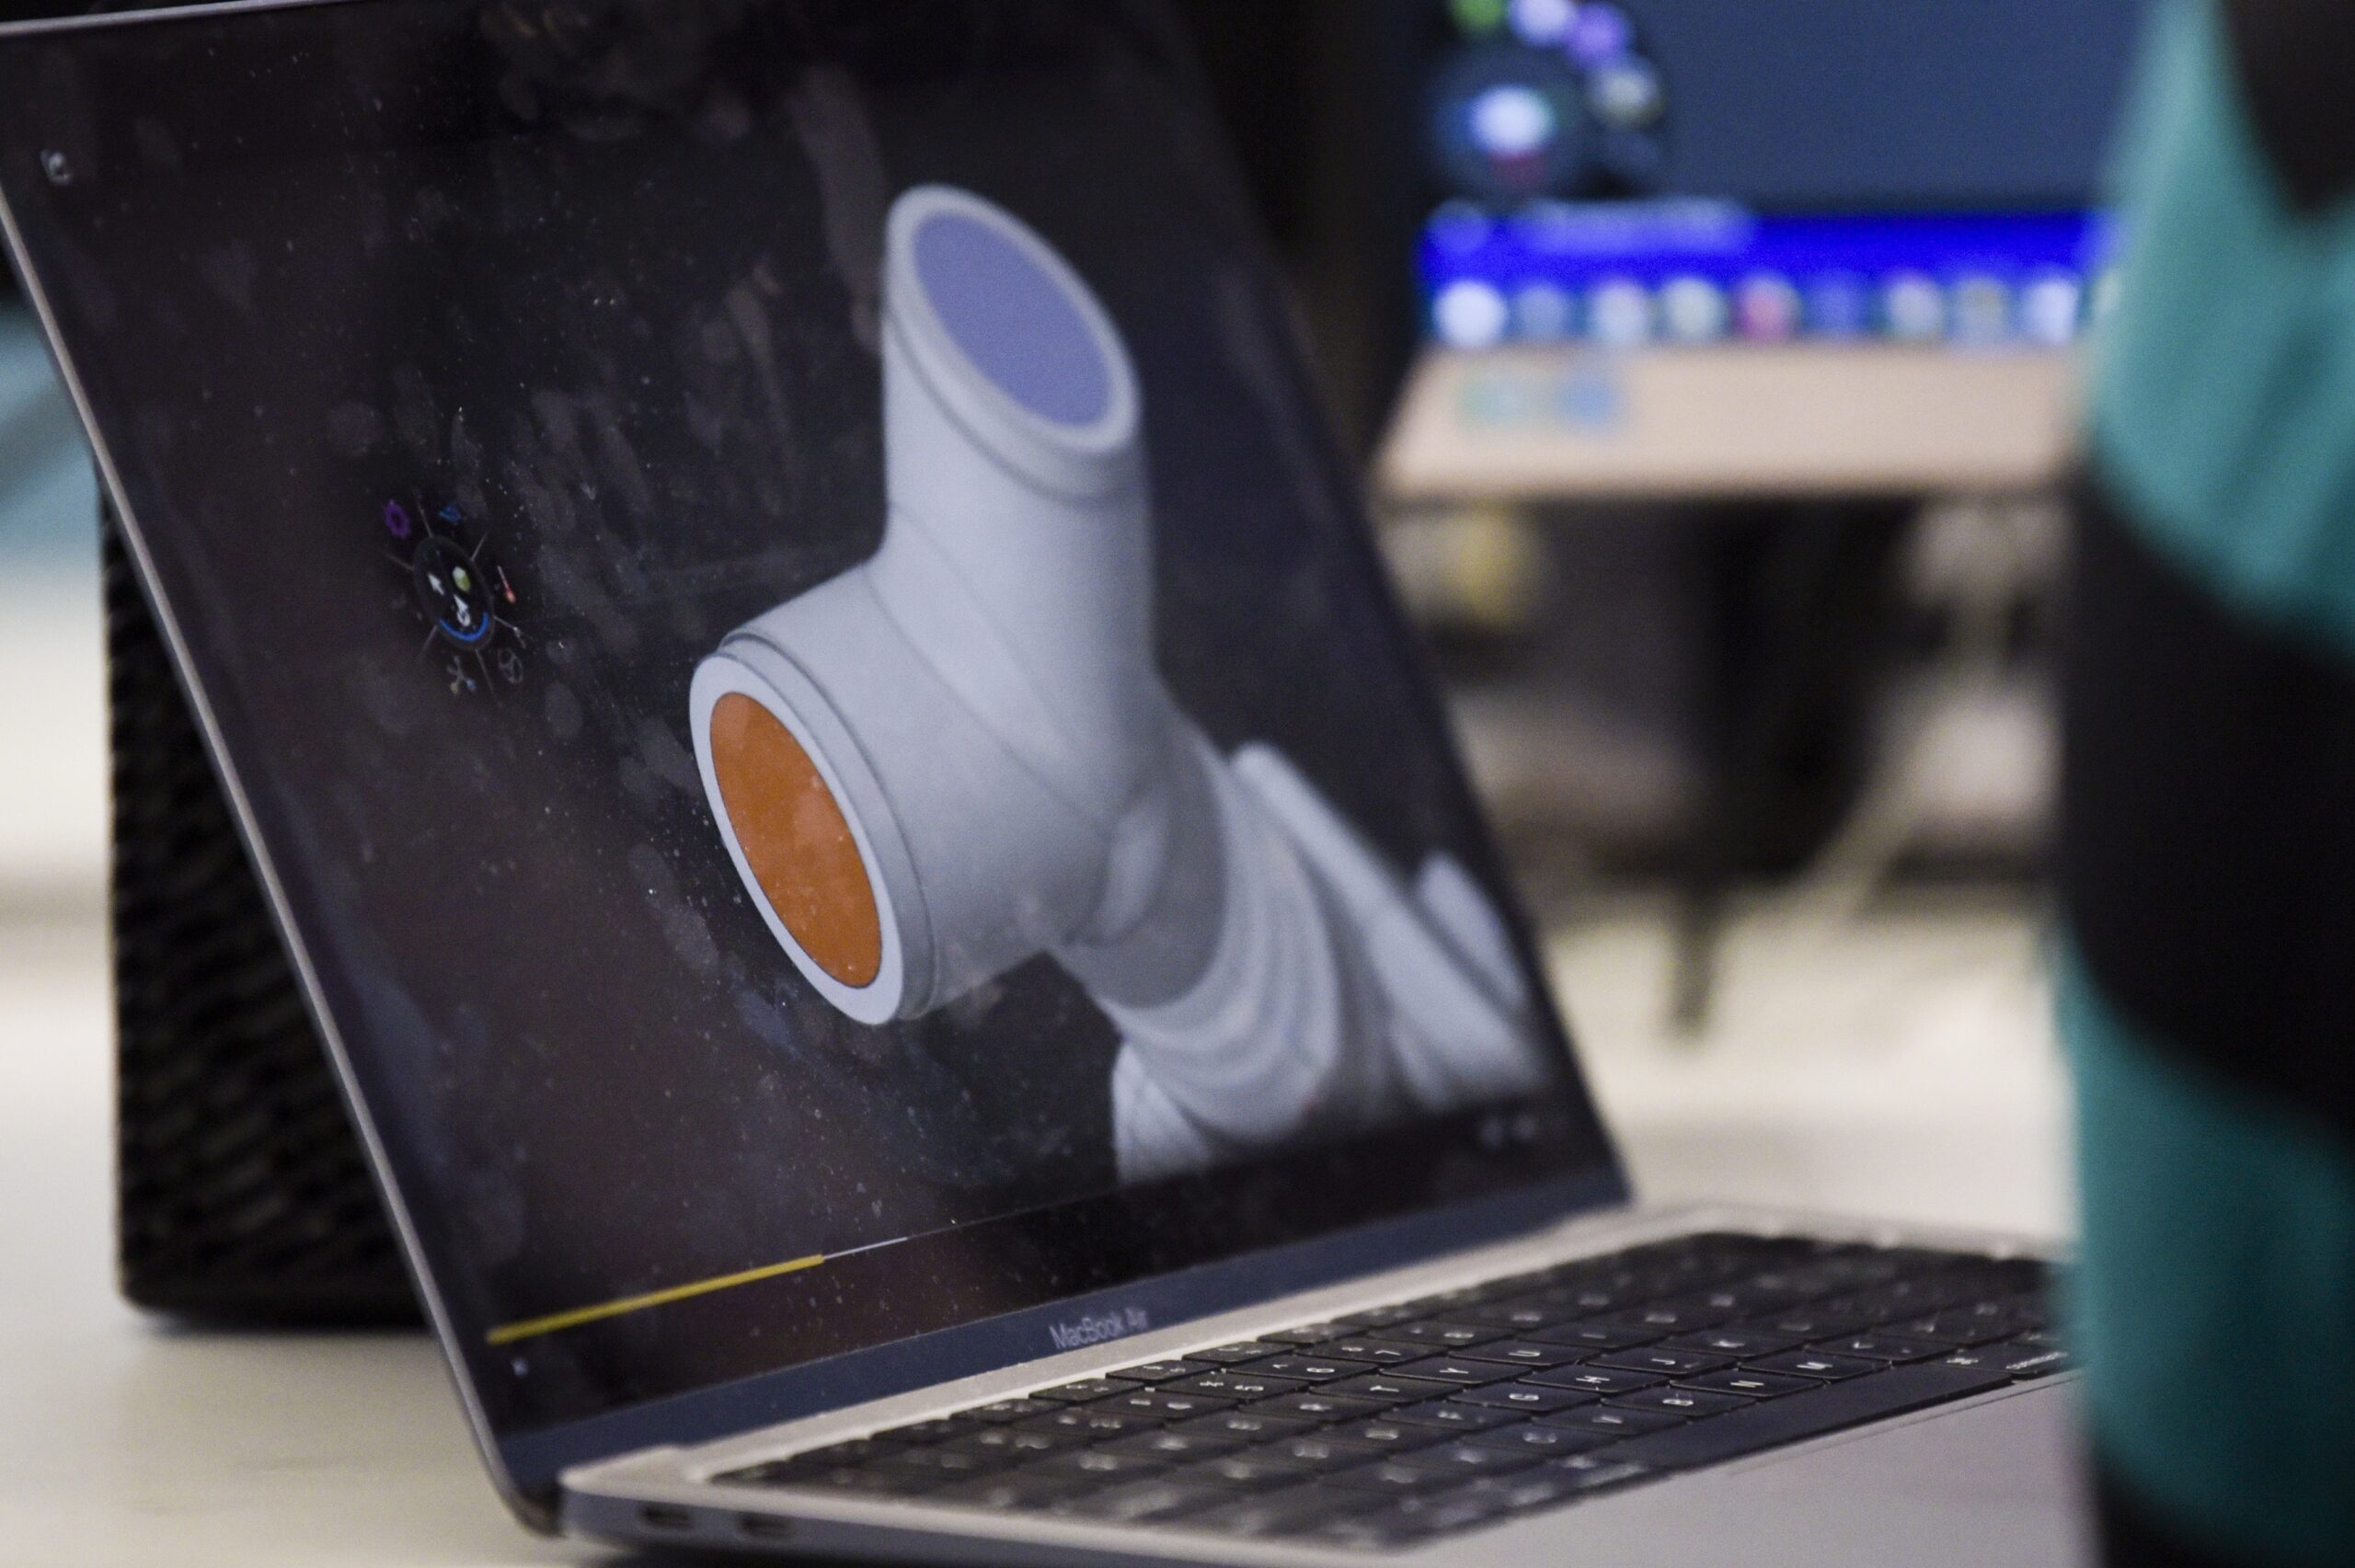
{"points": [[1386, 1428]]}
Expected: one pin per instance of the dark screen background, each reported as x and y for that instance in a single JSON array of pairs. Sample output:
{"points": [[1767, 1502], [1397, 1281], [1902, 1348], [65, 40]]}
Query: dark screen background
{"points": [[1864, 105], [607, 286]]}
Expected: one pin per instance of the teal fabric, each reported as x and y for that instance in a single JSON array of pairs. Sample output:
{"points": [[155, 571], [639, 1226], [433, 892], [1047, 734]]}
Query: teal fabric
{"points": [[2214, 1302], [2224, 406]]}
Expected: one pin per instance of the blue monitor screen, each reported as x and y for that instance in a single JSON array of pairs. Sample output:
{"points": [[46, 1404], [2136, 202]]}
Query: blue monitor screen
{"points": [[1634, 171]]}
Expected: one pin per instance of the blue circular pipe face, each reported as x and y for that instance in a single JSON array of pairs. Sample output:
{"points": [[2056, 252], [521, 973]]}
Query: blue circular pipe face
{"points": [[1013, 319]]}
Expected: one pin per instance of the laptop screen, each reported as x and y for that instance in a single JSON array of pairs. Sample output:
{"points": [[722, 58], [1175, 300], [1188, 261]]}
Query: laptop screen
{"points": [[815, 699]]}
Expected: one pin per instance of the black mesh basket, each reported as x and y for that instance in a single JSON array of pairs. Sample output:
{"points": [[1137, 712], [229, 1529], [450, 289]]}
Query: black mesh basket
{"points": [[242, 1190]]}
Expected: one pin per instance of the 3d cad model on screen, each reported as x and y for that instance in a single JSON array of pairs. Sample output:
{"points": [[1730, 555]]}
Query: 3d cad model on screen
{"points": [[959, 756]]}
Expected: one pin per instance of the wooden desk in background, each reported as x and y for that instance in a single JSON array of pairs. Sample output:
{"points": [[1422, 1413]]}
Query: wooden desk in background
{"points": [[1737, 423]]}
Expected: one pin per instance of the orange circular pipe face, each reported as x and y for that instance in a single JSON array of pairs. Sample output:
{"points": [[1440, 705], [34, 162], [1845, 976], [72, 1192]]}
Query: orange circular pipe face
{"points": [[796, 839]]}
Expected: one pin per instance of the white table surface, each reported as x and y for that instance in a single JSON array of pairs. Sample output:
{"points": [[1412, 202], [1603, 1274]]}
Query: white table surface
{"points": [[127, 1442]]}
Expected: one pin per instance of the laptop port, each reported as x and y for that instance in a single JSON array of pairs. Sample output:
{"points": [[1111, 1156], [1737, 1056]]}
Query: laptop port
{"points": [[662, 1516], [759, 1527]]}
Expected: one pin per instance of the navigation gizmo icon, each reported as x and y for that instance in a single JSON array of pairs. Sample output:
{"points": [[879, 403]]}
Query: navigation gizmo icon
{"points": [[455, 586]]}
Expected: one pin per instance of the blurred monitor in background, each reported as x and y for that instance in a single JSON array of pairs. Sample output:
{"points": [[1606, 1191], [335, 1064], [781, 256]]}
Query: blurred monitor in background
{"points": [[1770, 187]]}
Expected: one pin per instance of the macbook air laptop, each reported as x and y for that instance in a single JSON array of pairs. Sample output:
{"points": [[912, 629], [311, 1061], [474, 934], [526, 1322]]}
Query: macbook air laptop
{"points": [[890, 892]]}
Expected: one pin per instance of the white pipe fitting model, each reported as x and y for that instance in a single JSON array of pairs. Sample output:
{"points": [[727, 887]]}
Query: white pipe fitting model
{"points": [[960, 756]]}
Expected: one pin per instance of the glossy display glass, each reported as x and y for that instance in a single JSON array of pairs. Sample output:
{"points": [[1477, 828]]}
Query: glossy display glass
{"points": [[820, 710]]}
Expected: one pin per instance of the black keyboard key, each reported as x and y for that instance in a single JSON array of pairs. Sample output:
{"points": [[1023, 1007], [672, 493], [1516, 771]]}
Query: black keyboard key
{"points": [[1591, 1300], [1245, 1350], [1163, 1372], [1378, 1318], [1845, 1268], [1013, 1491], [1614, 1422], [857, 1451], [1515, 1316], [1597, 1471], [1522, 1353], [1459, 1413], [1821, 1364], [1951, 1333], [1307, 1334], [1594, 1380], [1908, 1298], [1443, 1336], [1732, 1342], [1242, 1384], [1416, 1518], [1374, 1352], [1361, 1532], [1086, 1390], [1706, 1309], [1458, 1369], [1290, 1512], [1173, 1446], [1096, 1464], [1677, 1399], [1816, 1322], [1591, 1337], [1391, 1387], [2012, 1277], [1980, 1323], [1006, 1409], [1166, 1404], [1321, 1368], [1137, 1502], [866, 1479], [1248, 1425], [1673, 1317], [1527, 1398], [1389, 1436], [2023, 1360], [1742, 1383], [1397, 1476], [2012, 1360], [1832, 1408], [1881, 1347], [1764, 1292], [944, 1465], [938, 1430], [1664, 1362], [1544, 1441], [1087, 1421], [1012, 1444], [1321, 1406], [1533, 1489], [1329, 1450], [1254, 1470], [1470, 1459]]}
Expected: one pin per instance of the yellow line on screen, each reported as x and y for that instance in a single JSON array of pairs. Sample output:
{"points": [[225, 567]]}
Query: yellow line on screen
{"points": [[531, 1328]]}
